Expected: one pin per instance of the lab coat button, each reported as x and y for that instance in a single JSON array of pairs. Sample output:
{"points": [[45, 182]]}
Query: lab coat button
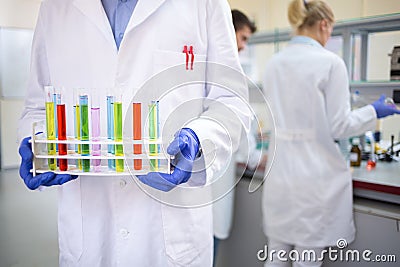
{"points": [[122, 183], [124, 233], [123, 1]]}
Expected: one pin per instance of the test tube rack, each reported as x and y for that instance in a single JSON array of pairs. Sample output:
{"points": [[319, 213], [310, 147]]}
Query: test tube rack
{"points": [[39, 149]]}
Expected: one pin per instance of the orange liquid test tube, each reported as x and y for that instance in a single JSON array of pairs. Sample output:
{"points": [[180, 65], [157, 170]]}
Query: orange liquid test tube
{"points": [[137, 134]]}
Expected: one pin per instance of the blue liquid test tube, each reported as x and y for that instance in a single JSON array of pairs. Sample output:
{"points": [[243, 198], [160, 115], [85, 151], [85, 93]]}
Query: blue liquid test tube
{"points": [[110, 129]]}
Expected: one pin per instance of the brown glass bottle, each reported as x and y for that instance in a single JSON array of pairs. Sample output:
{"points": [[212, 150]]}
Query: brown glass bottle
{"points": [[355, 153]]}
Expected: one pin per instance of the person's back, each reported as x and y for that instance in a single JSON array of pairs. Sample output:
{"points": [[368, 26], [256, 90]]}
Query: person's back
{"points": [[302, 74], [307, 197]]}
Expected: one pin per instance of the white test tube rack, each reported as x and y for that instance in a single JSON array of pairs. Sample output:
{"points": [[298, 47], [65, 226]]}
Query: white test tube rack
{"points": [[40, 156]]}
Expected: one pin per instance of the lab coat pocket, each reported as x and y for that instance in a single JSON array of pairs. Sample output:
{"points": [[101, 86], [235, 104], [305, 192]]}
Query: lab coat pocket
{"points": [[180, 237], [164, 59], [180, 91]]}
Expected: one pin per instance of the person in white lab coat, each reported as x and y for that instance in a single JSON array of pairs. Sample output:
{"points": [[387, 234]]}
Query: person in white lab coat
{"points": [[247, 152], [307, 198], [111, 221]]}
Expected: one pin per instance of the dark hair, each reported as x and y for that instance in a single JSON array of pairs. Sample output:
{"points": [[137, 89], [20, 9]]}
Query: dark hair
{"points": [[240, 20]]}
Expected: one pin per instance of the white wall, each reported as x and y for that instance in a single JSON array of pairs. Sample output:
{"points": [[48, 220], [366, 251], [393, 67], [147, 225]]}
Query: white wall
{"points": [[270, 14], [14, 14], [10, 111], [19, 13]]}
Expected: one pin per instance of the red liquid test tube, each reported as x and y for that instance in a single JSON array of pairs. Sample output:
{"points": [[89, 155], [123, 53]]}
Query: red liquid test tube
{"points": [[137, 134], [62, 135]]}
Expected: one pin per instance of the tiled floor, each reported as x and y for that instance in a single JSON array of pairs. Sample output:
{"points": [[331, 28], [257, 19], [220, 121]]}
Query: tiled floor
{"points": [[28, 224]]}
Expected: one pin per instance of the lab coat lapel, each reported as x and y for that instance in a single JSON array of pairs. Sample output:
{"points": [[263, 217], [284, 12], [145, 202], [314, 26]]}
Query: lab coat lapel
{"points": [[142, 11], [94, 10]]}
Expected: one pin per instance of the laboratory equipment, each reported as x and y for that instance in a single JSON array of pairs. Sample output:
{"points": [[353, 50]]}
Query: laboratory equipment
{"points": [[50, 126], [119, 151], [153, 134], [395, 63], [371, 161], [92, 151], [56, 99], [110, 129], [137, 134], [77, 127], [355, 153], [84, 110], [62, 133], [96, 148]]}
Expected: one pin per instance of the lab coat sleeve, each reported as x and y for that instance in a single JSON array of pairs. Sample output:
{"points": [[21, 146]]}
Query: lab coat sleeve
{"points": [[226, 113], [34, 109], [345, 122]]}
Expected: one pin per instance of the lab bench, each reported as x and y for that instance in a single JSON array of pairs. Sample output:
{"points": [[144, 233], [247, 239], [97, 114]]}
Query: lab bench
{"points": [[376, 214], [380, 183]]}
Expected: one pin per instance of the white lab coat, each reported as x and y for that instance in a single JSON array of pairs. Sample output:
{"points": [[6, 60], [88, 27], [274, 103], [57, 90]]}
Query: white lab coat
{"points": [[224, 190], [307, 198], [110, 221]]}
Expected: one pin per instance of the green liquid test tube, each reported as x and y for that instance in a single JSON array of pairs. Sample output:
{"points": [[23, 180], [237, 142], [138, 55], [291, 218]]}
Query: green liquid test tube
{"points": [[153, 134], [119, 151], [50, 127], [85, 150]]}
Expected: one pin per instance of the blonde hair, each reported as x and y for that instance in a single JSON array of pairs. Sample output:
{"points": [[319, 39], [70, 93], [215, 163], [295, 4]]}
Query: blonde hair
{"points": [[303, 13]]}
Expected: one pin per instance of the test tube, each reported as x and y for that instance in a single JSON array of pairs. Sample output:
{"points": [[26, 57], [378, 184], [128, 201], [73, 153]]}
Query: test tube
{"points": [[119, 151], [56, 99], [158, 127], [110, 129], [84, 110], [153, 150], [137, 134], [77, 120], [96, 148], [62, 133], [50, 126]]}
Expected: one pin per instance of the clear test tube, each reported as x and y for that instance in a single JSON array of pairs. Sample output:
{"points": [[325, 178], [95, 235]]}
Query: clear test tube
{"points": [[137, 134], [95, 112], [62, 132], [110, 129], [50, 126], [158, 127], [56, 99], [77, 126], [119, 151], [84, 110], [153, 150]]}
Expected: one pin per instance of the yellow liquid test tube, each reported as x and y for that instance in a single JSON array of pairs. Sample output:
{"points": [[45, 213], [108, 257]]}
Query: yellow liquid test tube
{"points": [[50, 127], [153, 134], [119, 151]]}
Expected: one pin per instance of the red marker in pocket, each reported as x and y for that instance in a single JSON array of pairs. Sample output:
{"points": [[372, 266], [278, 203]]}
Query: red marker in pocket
{"points": [[186, 51], [191, 52]]}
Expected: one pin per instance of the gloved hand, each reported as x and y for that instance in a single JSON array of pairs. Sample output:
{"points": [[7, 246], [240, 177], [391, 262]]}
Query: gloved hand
{"points": [[45, 179], [384, 110], [185, 147]]}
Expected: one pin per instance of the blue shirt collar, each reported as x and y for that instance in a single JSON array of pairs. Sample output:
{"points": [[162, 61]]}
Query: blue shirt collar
{"points": [[301, 39]]}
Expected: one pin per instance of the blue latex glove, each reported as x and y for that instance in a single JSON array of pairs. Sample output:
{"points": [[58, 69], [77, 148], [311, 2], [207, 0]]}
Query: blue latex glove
{"points": [[45, 179], [185, 147], [384, 110]]}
